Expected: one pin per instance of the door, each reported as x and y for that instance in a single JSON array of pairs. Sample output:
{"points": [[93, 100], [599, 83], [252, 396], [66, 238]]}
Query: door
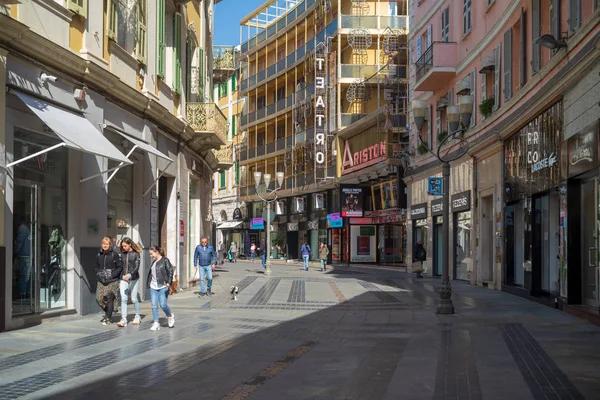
{"points": [[24, 249], [589, 242]]}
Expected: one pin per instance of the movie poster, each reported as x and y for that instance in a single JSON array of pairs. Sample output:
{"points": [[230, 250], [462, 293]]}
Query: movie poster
{"points": [[352, 201]]}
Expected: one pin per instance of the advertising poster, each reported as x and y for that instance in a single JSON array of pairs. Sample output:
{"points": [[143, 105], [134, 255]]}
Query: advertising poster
{"points": [[352, 201], [334, 220], [336, 238], [363, 248], [258, 223]]}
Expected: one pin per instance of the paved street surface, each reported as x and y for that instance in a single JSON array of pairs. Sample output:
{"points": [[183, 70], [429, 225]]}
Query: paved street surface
{"points": [[351, 333]]}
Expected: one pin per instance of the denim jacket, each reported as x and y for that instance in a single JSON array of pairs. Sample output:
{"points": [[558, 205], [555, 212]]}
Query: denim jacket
{"points": [[204, 256]]}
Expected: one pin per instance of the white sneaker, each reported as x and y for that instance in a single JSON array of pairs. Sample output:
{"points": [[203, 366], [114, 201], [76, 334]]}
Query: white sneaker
{"points": [[122, 323], [171, 320], [155, 326], [136, 320]]}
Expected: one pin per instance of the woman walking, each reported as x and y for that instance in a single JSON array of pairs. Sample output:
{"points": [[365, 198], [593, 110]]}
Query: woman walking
{"points": [[323, 253], [108, 270], [159, 281], [130, 258]]}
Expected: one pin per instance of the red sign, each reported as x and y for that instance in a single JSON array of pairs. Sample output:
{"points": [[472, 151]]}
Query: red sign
{"points": [[181, 231], [363, 158], [361, 221]]}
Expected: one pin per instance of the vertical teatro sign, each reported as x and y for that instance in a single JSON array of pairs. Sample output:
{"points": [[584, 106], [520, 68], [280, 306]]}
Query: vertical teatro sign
{"points": [[321, 122]]}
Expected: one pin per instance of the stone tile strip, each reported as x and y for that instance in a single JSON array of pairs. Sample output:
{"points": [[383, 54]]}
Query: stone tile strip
{"points": [[456, 376], [264, 294], [50, 351], [338, 293], [34, 383], [542, 375], [298, 292], [380, 294], [255, 382]]}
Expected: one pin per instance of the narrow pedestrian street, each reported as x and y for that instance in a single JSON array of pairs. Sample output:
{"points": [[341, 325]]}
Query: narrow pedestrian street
{"points": [[344, 334]]}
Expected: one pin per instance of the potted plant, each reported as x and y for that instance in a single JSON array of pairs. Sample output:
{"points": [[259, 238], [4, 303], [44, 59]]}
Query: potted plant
{"points": [[486, 107], [442, 135], [422, 149]]}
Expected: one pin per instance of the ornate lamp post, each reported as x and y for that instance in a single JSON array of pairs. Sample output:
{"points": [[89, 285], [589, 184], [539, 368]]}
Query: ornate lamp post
{"points": [[269, 197], [456, 115]]}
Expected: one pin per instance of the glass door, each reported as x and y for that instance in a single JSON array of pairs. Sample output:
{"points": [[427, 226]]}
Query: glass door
{"points": [[24, 249], [589, 241]]}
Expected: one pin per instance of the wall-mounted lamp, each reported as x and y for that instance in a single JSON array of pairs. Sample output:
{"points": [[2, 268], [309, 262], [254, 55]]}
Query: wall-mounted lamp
{"points": [[550, 42]]}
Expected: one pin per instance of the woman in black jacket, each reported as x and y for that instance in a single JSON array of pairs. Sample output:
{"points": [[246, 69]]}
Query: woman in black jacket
{"points": [[108, 271], [130, 258], [160, 278]]}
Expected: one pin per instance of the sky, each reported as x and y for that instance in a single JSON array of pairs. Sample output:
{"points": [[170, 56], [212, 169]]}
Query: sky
{"points": [[228, 14]]}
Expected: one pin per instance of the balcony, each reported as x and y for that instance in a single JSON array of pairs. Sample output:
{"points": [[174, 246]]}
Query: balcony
{"points": [[349, 119], [224, 157], [436, 66], [208, 123], [224, 62], [359, 21]]}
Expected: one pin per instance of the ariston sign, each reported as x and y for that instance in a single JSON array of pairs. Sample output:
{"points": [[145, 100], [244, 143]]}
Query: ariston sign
{"points": [[363, 158]]}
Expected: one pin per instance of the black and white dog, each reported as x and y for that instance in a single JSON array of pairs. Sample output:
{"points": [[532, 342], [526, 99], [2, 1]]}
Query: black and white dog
{"points": [[234, 292]]}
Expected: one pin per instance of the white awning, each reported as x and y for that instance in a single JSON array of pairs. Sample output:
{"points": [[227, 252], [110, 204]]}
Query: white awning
{"points": [[75, 131], [229, 225], [139, 143]]}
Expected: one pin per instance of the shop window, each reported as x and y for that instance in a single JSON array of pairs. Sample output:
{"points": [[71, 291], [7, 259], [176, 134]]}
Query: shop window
{"points": [[120, 203], [377, 199], [462, 246]]}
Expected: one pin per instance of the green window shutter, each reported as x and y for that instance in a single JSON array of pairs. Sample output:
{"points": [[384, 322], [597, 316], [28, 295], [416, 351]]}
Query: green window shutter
{"points": [[201, 78], [78, 7], [233, 83], [177, 53], [233, 124], [237, 173], [161, 53], [142, 31], [222, 180], [113, 19]]}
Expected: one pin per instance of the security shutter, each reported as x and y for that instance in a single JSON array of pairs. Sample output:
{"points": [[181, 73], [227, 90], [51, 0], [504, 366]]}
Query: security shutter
{"points": [[508, 36]]}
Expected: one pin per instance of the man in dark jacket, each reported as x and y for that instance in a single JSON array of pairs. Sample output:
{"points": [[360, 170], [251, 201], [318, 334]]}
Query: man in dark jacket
{"points": [[420, 254], [205, 257]]}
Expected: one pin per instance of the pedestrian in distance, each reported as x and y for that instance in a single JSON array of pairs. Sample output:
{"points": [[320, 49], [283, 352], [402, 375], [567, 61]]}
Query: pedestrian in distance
{"points": [[129, 284], [252, 252], [205, 258], [108, 271], [305, 250], [220, 253], [233, 251], [159, 280], [420, 254], [323, 254], [263, 253]]}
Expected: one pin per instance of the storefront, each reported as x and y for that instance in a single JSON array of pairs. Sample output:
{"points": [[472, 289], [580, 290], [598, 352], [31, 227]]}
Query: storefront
{"points": [[418, 216], [362, 241], [532, 212], [460, 205], [335, 224], [437, 209]]}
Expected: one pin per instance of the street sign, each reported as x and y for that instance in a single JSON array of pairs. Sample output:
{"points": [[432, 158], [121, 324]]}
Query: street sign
{"points": [[434, 187]]}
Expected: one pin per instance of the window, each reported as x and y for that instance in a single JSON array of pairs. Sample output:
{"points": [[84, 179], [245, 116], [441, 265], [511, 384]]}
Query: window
{"points": [[574, 15], [233, 83], [222, 89], [508, 37], [393, 5], [418, 50], [177, 22], [233, 125], [466, 16], [261, 102], [446, 24], [497, 75], [428, 37], [78, 7], [161, 34], [280, 93], [535, 34], [222, 180], [490, 2], [127, 30], [236, 169]]}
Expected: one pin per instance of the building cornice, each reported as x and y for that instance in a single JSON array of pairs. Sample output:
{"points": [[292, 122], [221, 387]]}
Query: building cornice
{"points": [[56, 9]]}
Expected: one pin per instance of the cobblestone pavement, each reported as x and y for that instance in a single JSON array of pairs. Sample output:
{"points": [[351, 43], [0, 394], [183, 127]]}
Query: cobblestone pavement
{"points": [[350, 333]]}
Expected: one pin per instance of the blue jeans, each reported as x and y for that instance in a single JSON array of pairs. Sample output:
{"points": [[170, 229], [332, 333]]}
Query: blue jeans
{"points": [[159, 297], [323, 264], [252, 256], [305, 260], [129, 288], [24, 274], [264, 260], [205, 271]]}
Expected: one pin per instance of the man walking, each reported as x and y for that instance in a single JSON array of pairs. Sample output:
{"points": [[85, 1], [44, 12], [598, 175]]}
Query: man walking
{"points": [[205, 257], [233, 251], [305, 254], [263, 253], [420, 254]]}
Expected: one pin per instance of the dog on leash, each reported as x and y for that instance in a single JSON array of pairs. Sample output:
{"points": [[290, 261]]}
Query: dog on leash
{"points": [[234, 292]]}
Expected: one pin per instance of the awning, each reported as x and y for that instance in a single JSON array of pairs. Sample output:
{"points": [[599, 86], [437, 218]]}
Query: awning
{"points": [[74, 130], [229, 225]]}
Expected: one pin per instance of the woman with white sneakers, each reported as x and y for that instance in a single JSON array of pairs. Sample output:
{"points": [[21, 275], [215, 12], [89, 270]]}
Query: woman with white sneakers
{"points": [[160, 278]]}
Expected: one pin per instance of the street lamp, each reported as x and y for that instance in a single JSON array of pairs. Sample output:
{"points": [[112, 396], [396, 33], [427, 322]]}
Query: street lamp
{"points": [[269, 197], [456, 115]]}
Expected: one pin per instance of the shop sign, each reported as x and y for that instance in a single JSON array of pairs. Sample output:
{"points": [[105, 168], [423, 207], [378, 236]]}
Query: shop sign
{"points": [[320, 104], [319, 201], [418, 211], [434, 186], [258, 223], [334, 220], [363, 158], [299, 204], [460, 201], [361, 221], [313, 225], [292, 226], [181, 232], [237, 214], [437, 207], [582, 150], [280, 208], [352, 201]]}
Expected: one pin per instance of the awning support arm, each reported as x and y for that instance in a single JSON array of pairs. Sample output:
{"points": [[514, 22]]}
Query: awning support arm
{"points": [[120, 165], [98, 174], [157, 178], [39, 153]]}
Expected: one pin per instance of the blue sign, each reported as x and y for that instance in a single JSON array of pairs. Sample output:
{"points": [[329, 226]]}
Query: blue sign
{"points": [[434, 187], [334, 220], [258, 223]]}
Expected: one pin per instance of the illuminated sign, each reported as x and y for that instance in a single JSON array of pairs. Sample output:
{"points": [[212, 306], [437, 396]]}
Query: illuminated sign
{"points": [[369, 156], [320, 104]]}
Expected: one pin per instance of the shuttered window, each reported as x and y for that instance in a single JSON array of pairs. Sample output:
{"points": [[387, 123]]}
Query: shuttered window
{"points": [[418, 51], [161, 38], [467, 16], [177, 18], [497, 76], [142, 31], [201, 73], [112, 19], [535, 34], [233, 125], [237, 173], [221, 180], [574, 15], [450, 103], [233, 83], [474, 94], [508, 37], [428, 38], [78, 7], [446, 24], [522, 50], [429, 126]]}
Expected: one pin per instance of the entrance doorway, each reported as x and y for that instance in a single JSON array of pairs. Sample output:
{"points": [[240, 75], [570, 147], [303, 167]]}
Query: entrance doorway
{"points": [[438, 240], [487, 238], [589, 241]]}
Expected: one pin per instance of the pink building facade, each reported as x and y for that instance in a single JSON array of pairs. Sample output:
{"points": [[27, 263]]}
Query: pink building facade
{"points": [[517, 203]]}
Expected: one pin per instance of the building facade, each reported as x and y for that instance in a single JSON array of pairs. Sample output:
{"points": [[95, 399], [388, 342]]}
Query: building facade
{"points": [[531, 68], [107, 129], [310, 70]]}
